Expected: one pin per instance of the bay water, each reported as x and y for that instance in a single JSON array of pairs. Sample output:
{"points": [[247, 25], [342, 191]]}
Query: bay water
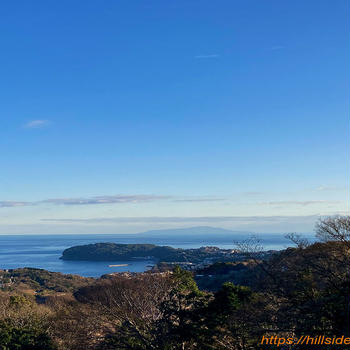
{"points": [[44, 251]]}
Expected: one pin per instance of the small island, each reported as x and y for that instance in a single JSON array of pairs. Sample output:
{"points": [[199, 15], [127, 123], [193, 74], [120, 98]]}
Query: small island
{"points": [[190, 258], [118, 252]]}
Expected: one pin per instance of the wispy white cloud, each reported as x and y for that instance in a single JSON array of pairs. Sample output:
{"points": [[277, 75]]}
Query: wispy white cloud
{"points": [[138, 198], [116, 199], [109, 199], [199, 200], [36, 124], [182, 219], [324, 188], [299, 203], [266, 224], [253, 193], [111, 225], [207, 56], [11, 204]]}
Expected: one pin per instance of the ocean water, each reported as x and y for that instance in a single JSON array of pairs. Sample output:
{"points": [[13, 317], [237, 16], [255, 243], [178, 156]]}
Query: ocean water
{"points": [[44, 251]]}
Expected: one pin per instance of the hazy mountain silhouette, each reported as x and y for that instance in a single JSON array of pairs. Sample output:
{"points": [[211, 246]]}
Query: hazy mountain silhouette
{"points": [[196, 230]]}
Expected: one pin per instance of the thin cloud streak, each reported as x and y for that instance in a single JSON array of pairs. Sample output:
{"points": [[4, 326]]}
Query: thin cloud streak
{"points": [[126, 225], [12, 204], [105, 199], [190, 200], [36, 124], [300, 203], [179, 219], [324, 188], [116, 199]]}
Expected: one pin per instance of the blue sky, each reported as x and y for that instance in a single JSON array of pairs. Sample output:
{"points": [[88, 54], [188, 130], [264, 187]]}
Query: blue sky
{"points": [[123, 116]]}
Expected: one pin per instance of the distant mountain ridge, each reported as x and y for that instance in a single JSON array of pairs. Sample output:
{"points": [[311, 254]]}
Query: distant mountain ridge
{"points": [[196, 230]]}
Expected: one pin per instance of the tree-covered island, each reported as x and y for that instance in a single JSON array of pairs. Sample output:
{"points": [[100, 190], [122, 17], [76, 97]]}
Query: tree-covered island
{"points": [[129, 252]]}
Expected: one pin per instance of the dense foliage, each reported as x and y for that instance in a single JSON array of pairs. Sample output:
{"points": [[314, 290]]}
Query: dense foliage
{"points": [[40, 281], [213, 276]]}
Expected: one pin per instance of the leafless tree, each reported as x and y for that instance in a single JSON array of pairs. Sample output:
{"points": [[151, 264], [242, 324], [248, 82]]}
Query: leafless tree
{"points": [[334, 228], [134, 302]]}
